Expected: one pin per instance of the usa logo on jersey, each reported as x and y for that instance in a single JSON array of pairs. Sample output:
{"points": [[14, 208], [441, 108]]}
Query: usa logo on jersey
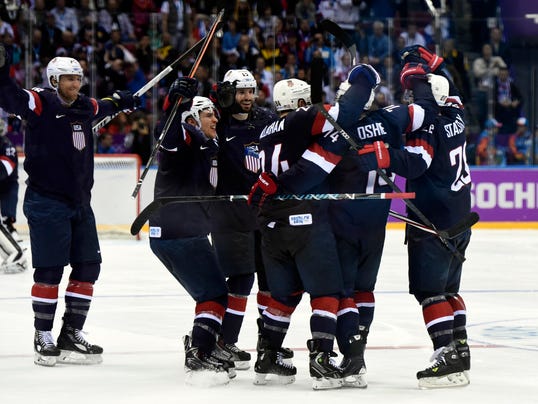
{"points": [[78, 136], [252, 157]]}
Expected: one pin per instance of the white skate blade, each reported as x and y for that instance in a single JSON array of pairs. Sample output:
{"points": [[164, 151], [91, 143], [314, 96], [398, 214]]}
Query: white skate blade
{"points": [[206, 378], [261, 379], [42, 360], [76, 358], [232, 373], [242, 365], [356, 381], [326, 383], [451, 380]]}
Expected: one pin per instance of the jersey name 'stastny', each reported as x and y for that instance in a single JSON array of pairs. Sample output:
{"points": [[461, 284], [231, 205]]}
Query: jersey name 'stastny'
{"points": [[455, 128]]}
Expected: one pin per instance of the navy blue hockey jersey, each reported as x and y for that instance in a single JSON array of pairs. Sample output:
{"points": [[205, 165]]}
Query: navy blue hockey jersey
{"points": [[238, 169], [58, 141], [185, 163], [9, 168]]}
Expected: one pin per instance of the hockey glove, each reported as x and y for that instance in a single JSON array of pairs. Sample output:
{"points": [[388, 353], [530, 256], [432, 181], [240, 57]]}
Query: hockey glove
{"points": [[185, 88], [264, 188], [225, 94], [124, 100], [413, 71], [374, 156], [420, 54]]}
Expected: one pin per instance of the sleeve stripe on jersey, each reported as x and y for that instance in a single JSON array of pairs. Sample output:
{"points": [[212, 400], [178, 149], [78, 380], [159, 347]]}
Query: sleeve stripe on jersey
{"points": [[416, 115], [10, 165], [321, 157], [95, 106], [34, 102], [421, 147], [319, 122]]}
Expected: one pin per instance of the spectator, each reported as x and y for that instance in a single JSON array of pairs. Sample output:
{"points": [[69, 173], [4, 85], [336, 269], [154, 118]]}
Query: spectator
{"points": [[267, 21], [378, 47], [486, 151], [105, 143], [248, 51], [139, 141], [144, 54], [456, 64], [231, 36], [66, 18], [306, 10], [111, 18], [412, 36], [508, 101], [499, 46], [243, 16], [175, 21], [520, 144]]}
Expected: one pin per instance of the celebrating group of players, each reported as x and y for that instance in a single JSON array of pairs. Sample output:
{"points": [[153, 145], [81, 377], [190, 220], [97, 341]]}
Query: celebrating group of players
{"points": [[330, 250]]}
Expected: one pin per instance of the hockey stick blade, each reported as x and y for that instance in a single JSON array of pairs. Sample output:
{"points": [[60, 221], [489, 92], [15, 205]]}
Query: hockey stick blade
{"points": [[463, 225], [335, 30], [158, 203]]}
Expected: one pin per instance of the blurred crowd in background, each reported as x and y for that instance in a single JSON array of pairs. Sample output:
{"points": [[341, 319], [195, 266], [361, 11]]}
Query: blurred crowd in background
{"points": [[122, 44]]}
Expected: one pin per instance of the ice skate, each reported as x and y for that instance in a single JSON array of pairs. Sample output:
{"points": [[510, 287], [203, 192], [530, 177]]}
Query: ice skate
{"points": [[45, 351], [203, 370], [75, 349], [15, 263], [353, 366], [240, 358], [447, 371], [271, 362], [465, 355], [324, 372]]}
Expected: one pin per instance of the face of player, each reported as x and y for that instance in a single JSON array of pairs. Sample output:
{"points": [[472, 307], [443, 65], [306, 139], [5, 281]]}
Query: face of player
{"points": [[244, 97], [208, 121], [69, 87]]}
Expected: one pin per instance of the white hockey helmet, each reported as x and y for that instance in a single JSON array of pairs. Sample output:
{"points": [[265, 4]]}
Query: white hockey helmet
{"points": [[440, 88], [60, 66], [288, 92], [199, 104], [242, 78]]}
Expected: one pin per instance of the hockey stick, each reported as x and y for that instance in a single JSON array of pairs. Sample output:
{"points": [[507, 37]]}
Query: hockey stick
{"points": [[466, 223], [355, 146], [160, 202], [335, 30], [107, 119], [207, 41]]}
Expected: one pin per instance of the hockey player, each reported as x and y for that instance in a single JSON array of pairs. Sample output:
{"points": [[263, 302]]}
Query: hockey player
{"points": [[9, 186], [298, 152], [14, 259], [179, 232], [359, 226], [442, 195], [234, 229], [59, 162]]}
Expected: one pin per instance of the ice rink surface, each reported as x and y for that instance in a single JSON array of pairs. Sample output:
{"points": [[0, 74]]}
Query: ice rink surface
{"points": [[139, 314]]}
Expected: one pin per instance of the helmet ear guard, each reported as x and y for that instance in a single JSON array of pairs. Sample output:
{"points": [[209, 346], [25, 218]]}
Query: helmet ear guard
{"points": [[288, 92], [60, 66]]}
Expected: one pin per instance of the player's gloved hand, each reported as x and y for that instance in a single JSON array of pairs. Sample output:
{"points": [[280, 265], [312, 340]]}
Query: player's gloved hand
{"points": [[413, 71], [225, 94], [185, 88], [195, 133], [125, 100], [374, 156], [264, 188], [419, 54], [4, 62], [363, 74]]}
